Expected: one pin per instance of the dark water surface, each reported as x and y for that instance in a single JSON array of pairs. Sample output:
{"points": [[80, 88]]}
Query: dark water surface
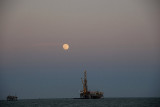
{"points": [[106, 102]]}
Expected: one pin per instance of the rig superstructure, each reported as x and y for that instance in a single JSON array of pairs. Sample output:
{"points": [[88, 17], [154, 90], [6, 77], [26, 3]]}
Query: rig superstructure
{"points": [[12, 98], [85, 94]]}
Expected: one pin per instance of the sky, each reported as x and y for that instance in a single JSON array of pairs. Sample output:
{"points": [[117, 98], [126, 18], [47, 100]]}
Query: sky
{"points": [[116, 41]]}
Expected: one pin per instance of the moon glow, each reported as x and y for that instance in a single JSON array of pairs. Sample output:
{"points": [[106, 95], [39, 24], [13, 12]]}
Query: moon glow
{"points": [[65, 46]]}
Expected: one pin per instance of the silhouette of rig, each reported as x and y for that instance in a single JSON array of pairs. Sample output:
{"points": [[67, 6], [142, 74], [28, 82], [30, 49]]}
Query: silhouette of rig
{"points": [[85, 94], [12, 98]]}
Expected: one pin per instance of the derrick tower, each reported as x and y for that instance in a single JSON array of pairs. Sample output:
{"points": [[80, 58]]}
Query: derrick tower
{"points": [[84, 82]]}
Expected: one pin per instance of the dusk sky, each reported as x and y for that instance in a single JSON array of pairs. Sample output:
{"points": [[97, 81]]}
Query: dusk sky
{"points": [[116, 41]]}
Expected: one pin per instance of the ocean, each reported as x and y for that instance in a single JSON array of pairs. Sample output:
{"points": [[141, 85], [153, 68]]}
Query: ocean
{"points": [[62, 102]]}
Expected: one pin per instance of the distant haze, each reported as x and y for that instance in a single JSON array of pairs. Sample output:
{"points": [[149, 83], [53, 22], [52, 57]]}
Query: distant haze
{"points": [[116, 41]]}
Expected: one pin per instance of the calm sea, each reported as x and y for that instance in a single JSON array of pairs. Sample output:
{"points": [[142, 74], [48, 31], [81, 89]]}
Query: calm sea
{"points": [[106, 102]]}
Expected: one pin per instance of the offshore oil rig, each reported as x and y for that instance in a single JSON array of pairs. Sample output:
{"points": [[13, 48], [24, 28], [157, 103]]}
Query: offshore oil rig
{"points": [[12, 98], [85, 94]]}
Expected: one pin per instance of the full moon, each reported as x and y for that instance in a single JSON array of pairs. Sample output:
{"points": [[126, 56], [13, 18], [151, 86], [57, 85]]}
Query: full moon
{"points": [[65, 46]]}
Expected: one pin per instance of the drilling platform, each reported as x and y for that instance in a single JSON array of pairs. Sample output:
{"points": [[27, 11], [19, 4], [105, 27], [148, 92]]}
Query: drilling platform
{"points": [[12, 98], [85, 94]]}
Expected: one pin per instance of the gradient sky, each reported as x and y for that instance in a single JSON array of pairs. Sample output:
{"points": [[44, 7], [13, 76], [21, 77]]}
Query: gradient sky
{"points": [[116, 41]]}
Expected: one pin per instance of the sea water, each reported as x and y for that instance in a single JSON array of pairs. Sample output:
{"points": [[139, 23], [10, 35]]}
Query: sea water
{"points": [[106, 102]]}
